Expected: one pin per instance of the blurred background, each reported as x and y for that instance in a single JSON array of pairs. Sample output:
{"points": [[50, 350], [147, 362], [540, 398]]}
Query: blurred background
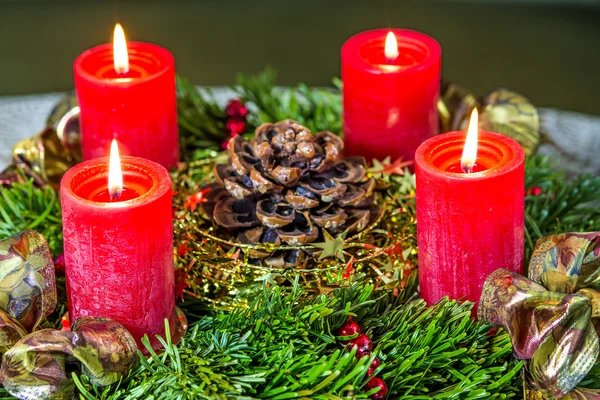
{"points": [[548, 51]]}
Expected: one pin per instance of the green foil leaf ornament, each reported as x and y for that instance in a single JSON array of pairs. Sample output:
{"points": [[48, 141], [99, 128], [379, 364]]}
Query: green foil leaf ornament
{"points": [[502, 111], [49, 154], [552, 316], [511, 114], [37, 367], [27, 286]]}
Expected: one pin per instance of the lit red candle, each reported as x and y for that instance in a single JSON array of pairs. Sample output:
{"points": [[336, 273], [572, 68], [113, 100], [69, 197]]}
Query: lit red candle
{"points": [[391, 84], [118, 243], [470, 211], [127, 91]]}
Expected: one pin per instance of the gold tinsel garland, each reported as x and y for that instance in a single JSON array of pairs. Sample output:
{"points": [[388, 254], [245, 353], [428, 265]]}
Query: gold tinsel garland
{"points": [[216, 269]]}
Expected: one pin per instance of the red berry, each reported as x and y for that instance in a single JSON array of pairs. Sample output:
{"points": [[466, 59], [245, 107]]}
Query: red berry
{"points": [[66, 324], [59, 264], [225, 144], [373, 366], [377, 383], [350, 328], [235, 125], [535, 191], [236, 108], [363, 345]]}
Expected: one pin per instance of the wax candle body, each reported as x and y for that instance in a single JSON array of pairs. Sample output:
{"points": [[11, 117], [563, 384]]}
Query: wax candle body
{"points": [[119, 255], [390, 107], [468, 225], [137, 108]]}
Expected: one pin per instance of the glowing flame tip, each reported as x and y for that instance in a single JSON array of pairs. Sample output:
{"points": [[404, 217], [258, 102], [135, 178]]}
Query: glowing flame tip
{"points": [[391, 47], [469, 155], [115, 174], [120, 56]]}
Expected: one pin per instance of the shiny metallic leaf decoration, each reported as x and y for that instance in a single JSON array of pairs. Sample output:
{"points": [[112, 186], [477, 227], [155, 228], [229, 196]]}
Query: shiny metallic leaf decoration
{"points": [[46, 156], [64, 119], [11, 331], [552, 316], [37, 366], [34, 365], [454, 107], [512, 115], [501, 111], [27, 284], [43, 155]]}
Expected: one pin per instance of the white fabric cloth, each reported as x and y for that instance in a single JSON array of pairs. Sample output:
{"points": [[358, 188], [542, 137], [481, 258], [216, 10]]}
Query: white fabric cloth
{"points": [[575, 136], [22, 117]]}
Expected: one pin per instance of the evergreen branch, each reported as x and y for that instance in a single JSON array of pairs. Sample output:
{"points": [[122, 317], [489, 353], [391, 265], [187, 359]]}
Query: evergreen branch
{"points": [[201, 120], [4, 395], [25, 206], [284, 346], [562, 206], [319, 109]]}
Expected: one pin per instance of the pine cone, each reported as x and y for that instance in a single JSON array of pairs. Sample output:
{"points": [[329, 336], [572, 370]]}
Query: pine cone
{"points": [[287, 185]]}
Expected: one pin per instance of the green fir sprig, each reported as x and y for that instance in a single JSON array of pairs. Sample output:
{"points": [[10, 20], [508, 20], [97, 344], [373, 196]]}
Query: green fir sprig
{"points": [[562, 205], [319, 109], [201, 120], [284, 347], [25, 206]]}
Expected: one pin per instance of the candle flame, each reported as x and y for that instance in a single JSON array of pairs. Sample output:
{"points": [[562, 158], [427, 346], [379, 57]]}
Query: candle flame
{"points": [[391, 47], [115, 174], [120, 56], [469, 155]]}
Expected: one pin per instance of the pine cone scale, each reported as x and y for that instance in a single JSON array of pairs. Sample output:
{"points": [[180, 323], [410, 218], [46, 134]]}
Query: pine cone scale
{"points": [[287, 186]]}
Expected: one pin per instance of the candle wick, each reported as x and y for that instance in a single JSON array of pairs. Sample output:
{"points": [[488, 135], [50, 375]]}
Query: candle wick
{"points": [[468, 168], [115, 195]]}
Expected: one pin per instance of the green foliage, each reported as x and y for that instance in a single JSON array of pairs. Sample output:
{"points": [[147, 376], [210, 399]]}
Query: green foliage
{"points": [[284, 345], [201, 121], [592, 379], [317, 109], [281, 347], [25, 206], [562, 206]]}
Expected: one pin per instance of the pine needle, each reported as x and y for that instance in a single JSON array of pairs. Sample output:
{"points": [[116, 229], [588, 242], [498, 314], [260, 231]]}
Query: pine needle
{"points": [[24, 206], [319, 109], [281, 347], [284, 345], [563, 205]]}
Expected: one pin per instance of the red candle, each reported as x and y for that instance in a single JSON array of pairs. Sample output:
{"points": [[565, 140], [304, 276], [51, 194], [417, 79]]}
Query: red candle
{"points": [[119, 244], [469, 224], [128, 95], [390, 92]]}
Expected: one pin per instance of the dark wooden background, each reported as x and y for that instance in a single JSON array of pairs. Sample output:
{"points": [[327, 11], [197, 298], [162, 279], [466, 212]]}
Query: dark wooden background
{"points": [[549, 51]]}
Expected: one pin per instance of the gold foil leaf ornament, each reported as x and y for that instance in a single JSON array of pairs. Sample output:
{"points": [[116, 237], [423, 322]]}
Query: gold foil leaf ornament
{"points": [[44, 155], [501, 111], [34, 365], [27, 283], [37, 366], [552, 316], [511, 114]]}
